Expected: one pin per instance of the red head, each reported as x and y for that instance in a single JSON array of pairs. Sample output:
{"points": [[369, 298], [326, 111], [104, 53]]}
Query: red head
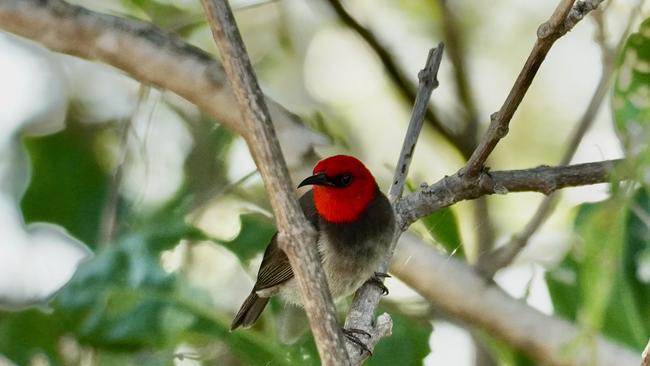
{"points": [[343, 188]]}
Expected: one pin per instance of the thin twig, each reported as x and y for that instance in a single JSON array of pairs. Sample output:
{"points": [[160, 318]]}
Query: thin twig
{"points": [[109, 215], [296, 235], [547, 34], [367, 297], [428, 83]]}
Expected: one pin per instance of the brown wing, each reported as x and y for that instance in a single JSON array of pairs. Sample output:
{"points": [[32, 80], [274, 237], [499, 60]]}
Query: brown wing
{"points": [[275, 268]]}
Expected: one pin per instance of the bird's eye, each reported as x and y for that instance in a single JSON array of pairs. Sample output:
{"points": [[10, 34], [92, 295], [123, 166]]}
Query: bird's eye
{"points": [[344, 180]]}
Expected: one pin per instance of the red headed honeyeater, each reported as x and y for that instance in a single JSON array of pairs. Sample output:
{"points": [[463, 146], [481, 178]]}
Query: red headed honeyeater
{"points": [[355, 226]]}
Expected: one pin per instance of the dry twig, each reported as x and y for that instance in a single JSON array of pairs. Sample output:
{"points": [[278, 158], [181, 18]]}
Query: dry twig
{"points": [[367, 298]]}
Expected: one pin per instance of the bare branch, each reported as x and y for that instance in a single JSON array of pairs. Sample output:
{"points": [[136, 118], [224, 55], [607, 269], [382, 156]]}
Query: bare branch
{"points": [[645, 356], [475, 300], [581, 8], [367, 297], [565, 16], [296, 234], [428, 83], [455, 188]]}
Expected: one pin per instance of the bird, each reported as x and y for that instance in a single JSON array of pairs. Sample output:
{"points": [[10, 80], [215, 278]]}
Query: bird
{"points": [[355, 223]]}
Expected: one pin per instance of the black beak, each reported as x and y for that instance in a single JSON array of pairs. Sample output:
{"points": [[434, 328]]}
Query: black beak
{"points": [[318, 179]]}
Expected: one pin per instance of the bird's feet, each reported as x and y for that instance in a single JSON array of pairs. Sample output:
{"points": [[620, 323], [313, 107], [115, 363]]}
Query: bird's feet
{"points": [[352, 335], [378, 279]]}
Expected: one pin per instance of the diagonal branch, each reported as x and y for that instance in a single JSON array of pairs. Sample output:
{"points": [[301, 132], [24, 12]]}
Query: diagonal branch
{"points": [[463, 293], [565, 16], [367, 297], [296, 234], [146, 53]]}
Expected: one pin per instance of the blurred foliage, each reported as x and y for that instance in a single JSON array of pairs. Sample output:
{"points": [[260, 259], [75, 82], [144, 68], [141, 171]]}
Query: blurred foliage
{"points": [[597, 284], [166, 15], [255, 233], [506, 354], [443, 227], [55, 193], [631, 92]]}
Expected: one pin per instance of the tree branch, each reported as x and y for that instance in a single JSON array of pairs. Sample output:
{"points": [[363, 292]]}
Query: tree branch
{"points": [[146, 53], [296, 236], [460, 291], [645, 356], [455, 188], [367, 297], [565, 16]]}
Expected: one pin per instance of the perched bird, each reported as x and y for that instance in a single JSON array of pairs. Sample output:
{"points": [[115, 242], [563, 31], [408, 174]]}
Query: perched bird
{"points": [[355, 225]]}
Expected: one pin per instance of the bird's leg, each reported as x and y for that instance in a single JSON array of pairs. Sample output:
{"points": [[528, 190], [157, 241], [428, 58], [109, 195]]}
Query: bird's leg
{"points": [[351, 335], [378, 279]]}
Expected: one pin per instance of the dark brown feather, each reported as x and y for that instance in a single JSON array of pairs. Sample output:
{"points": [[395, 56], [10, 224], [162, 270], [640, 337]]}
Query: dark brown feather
{"points": [[249, 311], [274, 270]]}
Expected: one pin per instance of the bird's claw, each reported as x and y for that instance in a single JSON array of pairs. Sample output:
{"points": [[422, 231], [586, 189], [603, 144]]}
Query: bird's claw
{"points": [[377, 279], [351, 335]]}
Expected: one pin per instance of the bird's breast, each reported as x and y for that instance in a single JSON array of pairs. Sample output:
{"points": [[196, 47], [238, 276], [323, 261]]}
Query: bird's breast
{"points": [[349, 265]]}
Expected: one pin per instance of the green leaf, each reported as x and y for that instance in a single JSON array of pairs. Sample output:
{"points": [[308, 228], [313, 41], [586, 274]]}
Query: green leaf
{"points": [[631, 99], [166, 16], [636, 261], [206, 163], [442, 225], [27, 333], [67, 186], [596, 285], [601, 229], [122, 301], [255, 234], [504, 354], [113, 301]]}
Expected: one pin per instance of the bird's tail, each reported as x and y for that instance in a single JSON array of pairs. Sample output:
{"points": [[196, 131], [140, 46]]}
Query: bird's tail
{"points": [[249, 312]]}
